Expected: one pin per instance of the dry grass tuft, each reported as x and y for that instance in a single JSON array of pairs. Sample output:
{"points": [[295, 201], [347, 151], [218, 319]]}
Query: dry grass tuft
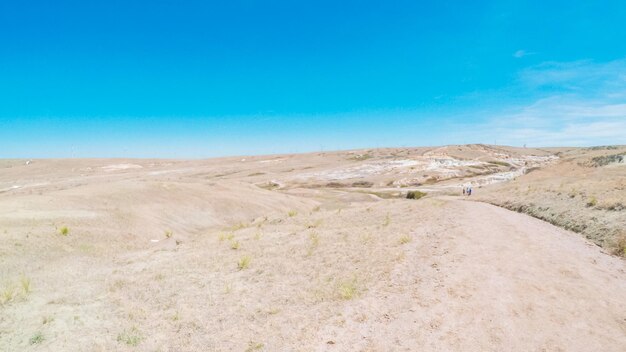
{"points": [[405, 239], [620, 245], [7, 294], [130, 337], [254, 346], [64, 231], [387, 220], [226, 236], [591, 202], [25, 284], [348, 289], [243, 263]]}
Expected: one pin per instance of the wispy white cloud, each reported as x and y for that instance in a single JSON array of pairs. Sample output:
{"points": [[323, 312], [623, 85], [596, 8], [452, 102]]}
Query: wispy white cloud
{"points": [[521, 53], [578, 103]]}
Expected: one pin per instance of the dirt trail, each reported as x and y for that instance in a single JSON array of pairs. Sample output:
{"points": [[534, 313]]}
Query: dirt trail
{"points": [[482, 278]]}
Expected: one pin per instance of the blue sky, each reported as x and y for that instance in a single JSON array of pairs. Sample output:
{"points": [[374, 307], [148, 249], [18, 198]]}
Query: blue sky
{"points": [[201, 79]]}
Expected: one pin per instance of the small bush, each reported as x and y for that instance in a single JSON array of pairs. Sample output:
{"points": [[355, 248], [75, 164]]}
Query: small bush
{"points": [[234, 245], [243, 263], [292, 213], [415, 195], [36, 339], [405, 239], [364, 184], [168, 233], [64, 231], [335, 185]]}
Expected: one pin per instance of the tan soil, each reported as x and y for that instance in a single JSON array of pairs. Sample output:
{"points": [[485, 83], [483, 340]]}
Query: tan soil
{"points": [[330, 269]]}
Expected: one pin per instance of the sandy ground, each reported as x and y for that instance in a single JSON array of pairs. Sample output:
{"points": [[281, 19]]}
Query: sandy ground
{"points": [[255, 254]]}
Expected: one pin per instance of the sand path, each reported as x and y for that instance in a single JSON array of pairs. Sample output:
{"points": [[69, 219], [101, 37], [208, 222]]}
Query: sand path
{"points": [[482, 278]]}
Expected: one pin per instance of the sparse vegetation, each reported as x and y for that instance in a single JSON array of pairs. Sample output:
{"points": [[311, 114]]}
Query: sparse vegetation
{"points": [[238, 226], [269, 185], [361, 157], [404, 239], [254, 346], [604, 160], [363, 184], [257, 174], [226, 236], [243, 263], [387, 220], [603, 147], [315, 241], [36, 339], [415, 195], [234, 245], [64, 231], [25, 284], [348, 289], [292, 213], [499, 163], [130, 337], [335, 184], [620, 245], [168, 233], [8, 293], [592, 202], [314, 224]]}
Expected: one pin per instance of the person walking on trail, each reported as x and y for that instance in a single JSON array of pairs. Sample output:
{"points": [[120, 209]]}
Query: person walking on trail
{"points": [[469, 191]]}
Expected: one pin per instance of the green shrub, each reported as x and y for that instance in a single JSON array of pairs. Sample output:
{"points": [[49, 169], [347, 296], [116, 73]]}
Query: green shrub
{"points": [[36, 339], [415, 195]]}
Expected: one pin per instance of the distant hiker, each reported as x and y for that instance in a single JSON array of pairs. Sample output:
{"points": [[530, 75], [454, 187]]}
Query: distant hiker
{"points": [[469, 191]]}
